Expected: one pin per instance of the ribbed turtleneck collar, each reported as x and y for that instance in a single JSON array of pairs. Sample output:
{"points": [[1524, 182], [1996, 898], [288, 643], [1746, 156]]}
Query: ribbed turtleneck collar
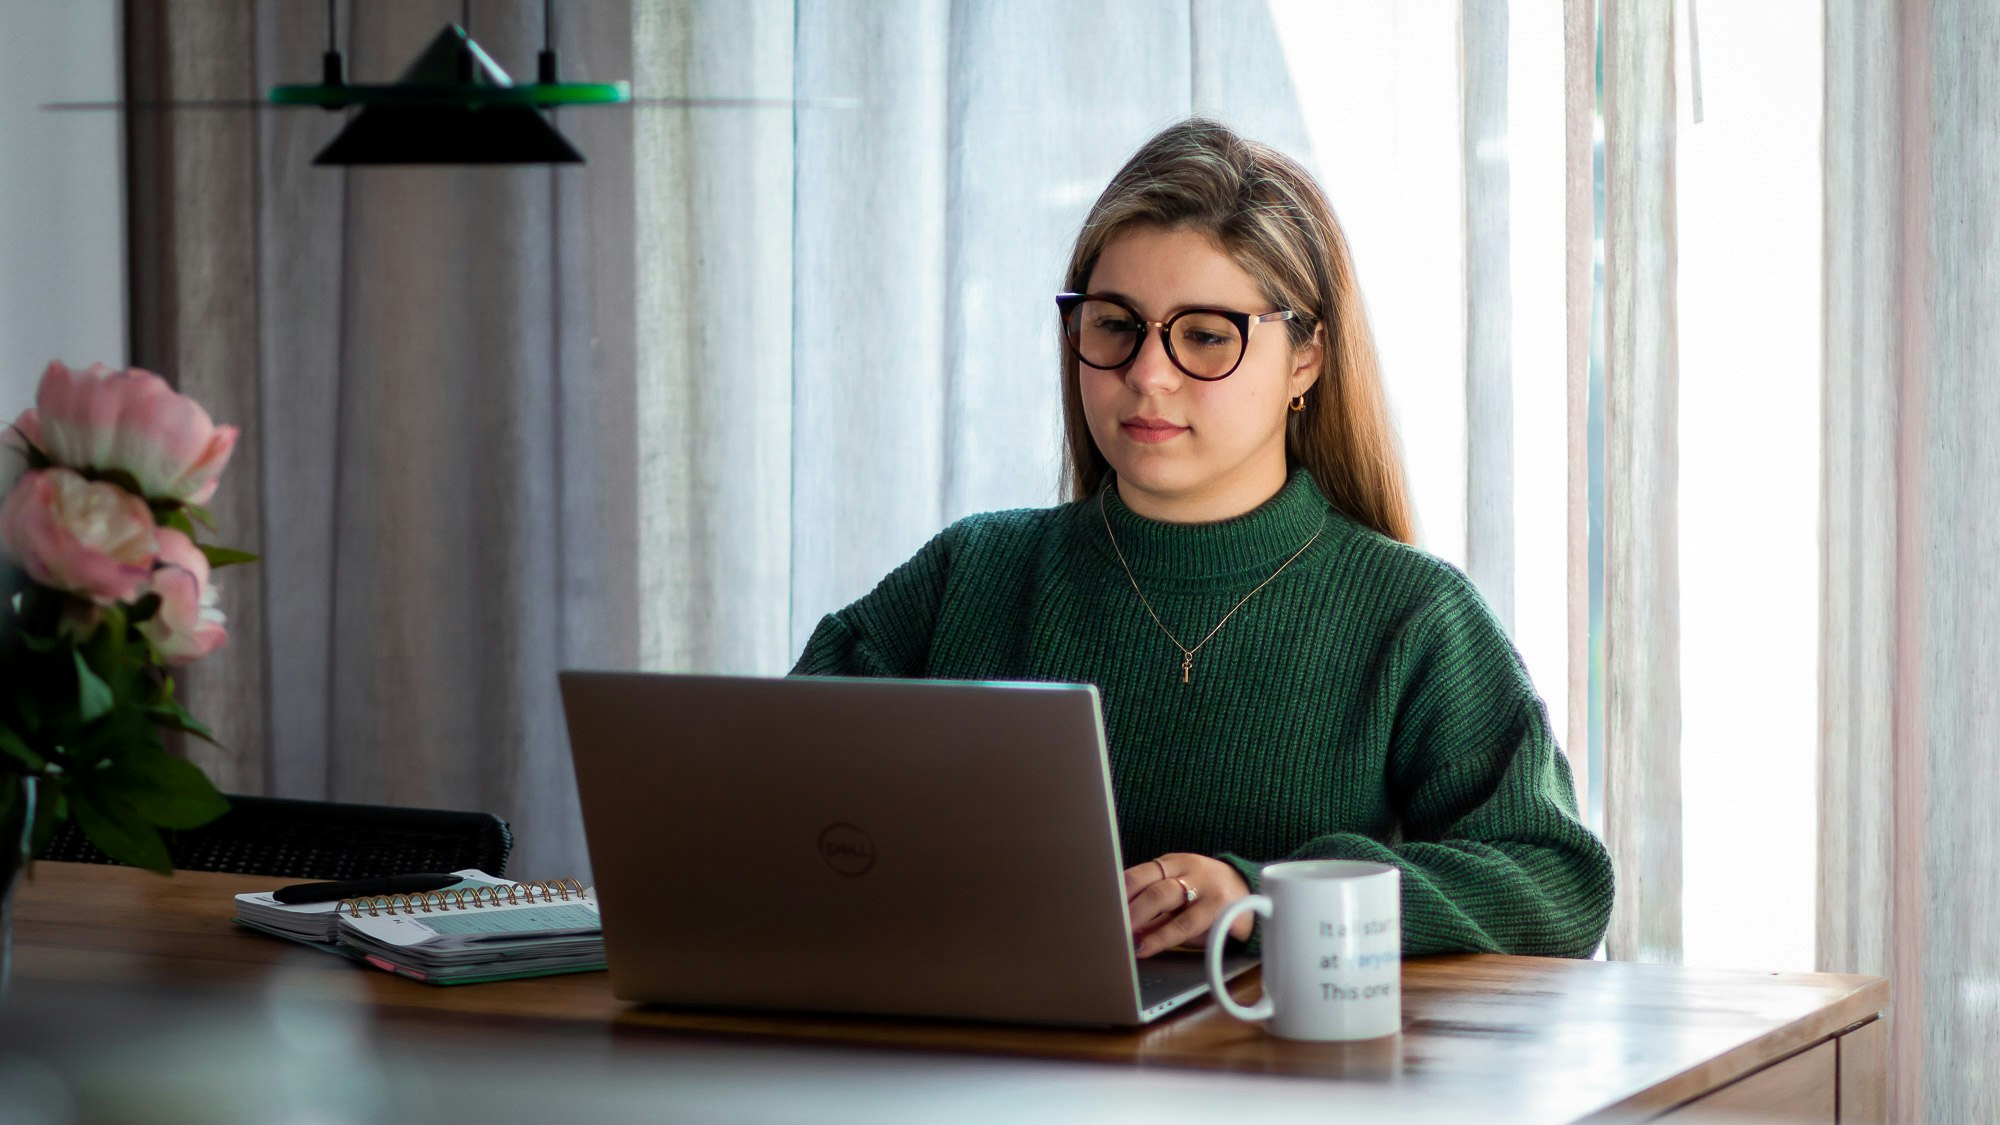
{"points": [[1256, 541]]}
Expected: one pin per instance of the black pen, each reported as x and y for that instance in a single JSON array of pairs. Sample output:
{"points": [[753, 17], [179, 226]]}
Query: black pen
{"points": [[359, 888]]}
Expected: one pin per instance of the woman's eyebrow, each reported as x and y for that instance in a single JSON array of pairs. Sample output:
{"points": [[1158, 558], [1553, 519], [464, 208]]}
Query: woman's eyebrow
{"points": [[1170, 312]]}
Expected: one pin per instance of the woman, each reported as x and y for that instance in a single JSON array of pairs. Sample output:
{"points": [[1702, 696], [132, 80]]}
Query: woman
{"points": [[1282, 676]]}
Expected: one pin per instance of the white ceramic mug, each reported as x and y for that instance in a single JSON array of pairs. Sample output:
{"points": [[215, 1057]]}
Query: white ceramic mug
{"points": [[1333, 950]]}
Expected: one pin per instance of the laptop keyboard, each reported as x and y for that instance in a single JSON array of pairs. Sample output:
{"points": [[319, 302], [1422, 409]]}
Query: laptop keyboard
{"points": [[1171, 975], [1161, 979]]}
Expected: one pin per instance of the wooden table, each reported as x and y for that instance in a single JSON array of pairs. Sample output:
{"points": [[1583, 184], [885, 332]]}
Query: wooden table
{"points": [[1484, 1037]]}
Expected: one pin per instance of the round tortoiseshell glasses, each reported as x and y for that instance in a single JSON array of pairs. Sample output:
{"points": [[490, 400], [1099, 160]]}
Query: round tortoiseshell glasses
{"points": [[1207, 344]]}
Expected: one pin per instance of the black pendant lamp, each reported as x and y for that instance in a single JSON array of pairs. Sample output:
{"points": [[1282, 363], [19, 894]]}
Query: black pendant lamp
{"points": [[455, 110], [454, 105]]}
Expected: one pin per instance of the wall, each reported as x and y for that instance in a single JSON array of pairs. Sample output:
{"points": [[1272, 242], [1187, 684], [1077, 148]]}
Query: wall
{"points": [[62, 245]]}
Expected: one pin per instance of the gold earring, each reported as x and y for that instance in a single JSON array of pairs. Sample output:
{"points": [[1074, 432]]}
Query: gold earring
{"points": [[1299, 405]]}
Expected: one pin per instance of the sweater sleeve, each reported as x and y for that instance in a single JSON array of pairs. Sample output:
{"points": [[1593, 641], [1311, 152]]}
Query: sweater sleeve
{"points": [[1493, 855], [888, 631]]}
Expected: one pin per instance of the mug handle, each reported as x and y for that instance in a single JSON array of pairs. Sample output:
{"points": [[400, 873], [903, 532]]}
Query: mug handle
{"points": [[1218, 934]]}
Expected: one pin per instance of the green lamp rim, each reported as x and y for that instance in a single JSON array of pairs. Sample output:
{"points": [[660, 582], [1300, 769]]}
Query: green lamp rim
{"points": [[469, 95]]}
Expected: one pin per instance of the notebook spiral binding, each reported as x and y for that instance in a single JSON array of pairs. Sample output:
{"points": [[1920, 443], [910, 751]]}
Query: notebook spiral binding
{"points": [[464, 898]]}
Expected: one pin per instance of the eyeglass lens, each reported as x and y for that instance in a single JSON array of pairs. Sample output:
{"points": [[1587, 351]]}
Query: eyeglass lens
{"points": [[1107, 334]]}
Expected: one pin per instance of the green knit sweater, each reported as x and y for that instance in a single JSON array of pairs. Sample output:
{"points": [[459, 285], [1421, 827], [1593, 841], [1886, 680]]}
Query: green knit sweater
{"points": [[1364, 705]]}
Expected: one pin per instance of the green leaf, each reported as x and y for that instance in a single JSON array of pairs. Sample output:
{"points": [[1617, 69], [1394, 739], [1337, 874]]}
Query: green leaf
{"points": [[172, 715], [166, 790], [41, 644], [119, 656], [178, 520], [201, 516], [144, 609], [219, 557], [27, 711], [94, 698], [17, 748], [97, 745], [121, 830]]}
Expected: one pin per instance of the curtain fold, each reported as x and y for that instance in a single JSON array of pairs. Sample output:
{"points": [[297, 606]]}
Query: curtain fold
{"points": [[192, 202], [302, 213], [714, 322], [1579, 268], [1642, 813], [449, 516], [869, 261], [1489, 307], [1912, 511]]}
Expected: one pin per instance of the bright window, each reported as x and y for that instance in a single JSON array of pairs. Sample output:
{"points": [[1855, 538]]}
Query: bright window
{"points": [[1750, 220]]}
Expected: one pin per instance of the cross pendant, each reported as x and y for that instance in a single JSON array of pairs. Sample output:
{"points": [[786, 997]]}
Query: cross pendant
{"points": [[1187, 665]]}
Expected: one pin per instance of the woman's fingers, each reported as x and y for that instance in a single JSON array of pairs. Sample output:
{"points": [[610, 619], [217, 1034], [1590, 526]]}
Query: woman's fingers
{"points": [[1155, 904], [1190, 926], [1139, 878], [1162, 916], [1144, 875]]}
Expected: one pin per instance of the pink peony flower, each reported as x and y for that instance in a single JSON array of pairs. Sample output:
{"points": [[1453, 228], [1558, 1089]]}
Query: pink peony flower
{"points": [[89, 538], [187, 626], [131, 420]]}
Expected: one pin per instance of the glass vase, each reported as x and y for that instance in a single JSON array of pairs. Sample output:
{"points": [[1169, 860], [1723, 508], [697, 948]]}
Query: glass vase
{"points": [[17, 827]]}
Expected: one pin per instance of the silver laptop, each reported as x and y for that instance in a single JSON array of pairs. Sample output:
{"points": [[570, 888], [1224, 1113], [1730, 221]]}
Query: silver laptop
{"points": [[897, 847]]}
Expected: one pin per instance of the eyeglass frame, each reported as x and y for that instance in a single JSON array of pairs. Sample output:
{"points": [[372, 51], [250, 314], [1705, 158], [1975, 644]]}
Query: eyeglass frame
{"points": [[1065, 302]]}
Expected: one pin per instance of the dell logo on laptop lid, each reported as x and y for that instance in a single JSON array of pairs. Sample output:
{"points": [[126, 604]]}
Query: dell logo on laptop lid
{"points": [[847, 849]]}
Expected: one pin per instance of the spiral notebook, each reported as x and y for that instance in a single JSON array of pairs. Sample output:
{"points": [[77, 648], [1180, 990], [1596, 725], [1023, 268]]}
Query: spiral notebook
{"points": [[478, 929]]}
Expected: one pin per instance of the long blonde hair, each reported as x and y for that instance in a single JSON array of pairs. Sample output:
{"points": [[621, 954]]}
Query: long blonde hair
{"points": [[1266, 213]]}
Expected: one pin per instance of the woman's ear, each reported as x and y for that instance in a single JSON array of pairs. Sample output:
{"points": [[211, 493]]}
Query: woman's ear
{"points": [[1306, 363]]}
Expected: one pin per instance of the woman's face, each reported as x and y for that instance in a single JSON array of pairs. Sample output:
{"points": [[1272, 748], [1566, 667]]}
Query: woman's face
{"points": [[1187, 450]]}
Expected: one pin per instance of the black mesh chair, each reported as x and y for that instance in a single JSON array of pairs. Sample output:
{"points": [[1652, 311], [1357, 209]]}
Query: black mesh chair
{"points": [[321, 840]]}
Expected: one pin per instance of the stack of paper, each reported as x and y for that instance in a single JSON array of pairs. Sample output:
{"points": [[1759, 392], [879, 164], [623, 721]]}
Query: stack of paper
{"points": [[486, 943], [519, 930]]}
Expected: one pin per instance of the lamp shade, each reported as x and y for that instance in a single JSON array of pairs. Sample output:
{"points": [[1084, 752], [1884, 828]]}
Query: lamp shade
{"points": [[451, 116]]}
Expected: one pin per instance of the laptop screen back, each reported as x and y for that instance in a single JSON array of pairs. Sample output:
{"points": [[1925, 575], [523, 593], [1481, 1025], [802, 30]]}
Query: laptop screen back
{"points": [[896, 847]]}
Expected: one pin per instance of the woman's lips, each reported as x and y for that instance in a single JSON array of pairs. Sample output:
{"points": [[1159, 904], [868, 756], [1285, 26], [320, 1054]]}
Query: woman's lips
{"points": [[1151, 433]]}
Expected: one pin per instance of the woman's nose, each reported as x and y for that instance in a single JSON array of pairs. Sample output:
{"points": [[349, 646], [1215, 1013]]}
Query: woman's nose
{"points": [[1152, 369]]}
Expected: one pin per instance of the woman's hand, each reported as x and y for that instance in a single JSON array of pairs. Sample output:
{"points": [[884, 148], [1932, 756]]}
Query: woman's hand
{"points": [[1163, 918]]}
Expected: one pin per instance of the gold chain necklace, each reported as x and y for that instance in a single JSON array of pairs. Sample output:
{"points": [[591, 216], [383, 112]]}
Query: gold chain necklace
{"points": [[1187, 654]]}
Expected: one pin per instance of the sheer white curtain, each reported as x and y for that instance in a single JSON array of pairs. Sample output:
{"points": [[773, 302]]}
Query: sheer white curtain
{"points": [[1642, 814], [713, 333], [1911, 611]]}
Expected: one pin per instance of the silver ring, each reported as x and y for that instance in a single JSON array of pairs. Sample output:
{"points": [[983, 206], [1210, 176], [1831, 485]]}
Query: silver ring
{"points": [[1186, 890]]}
